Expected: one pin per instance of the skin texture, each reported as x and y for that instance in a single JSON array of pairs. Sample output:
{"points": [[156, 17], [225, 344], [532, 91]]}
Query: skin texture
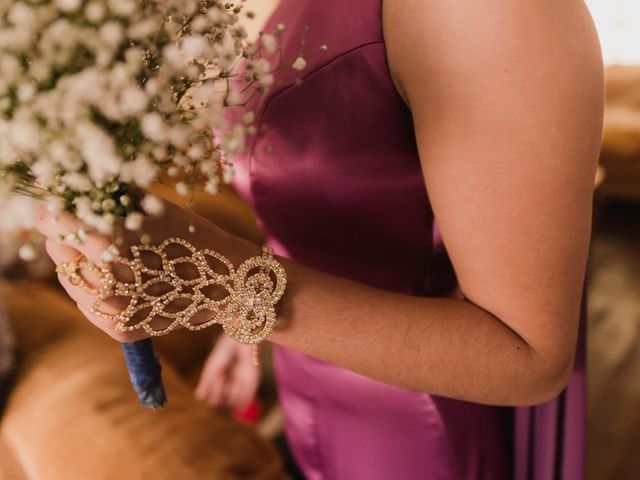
{"points": [[507, 100], [229, 379]]}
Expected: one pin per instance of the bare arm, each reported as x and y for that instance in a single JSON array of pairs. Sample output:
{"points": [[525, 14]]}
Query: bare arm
{"points": [[507, 103]]}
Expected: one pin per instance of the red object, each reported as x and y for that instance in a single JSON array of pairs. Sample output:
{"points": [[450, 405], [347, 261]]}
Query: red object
{"points": [[251, 414]]}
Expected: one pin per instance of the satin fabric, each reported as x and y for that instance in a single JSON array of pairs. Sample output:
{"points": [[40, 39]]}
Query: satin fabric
{"points": [[334, 176]]}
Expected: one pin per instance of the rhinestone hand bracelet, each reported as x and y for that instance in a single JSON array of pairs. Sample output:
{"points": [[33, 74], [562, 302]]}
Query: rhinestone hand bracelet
{"points": [[162, 297]]}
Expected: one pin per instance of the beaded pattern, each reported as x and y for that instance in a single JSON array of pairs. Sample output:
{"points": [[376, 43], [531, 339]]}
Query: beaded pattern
{"points": [[247, 311]]}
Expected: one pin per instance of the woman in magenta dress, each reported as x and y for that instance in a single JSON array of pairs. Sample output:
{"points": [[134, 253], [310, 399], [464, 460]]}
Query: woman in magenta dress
{"points": [[396, 359]]}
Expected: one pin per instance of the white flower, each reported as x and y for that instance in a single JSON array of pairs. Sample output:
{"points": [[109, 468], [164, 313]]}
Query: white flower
{"points": [[173, 56], [107, 66], [22, 16], [26, 92], [195, 152], [55, 205], [27, 252], [249, 117], [182, 189], [123, 8], [59, 35], [154, 127], [152, 205], [23, 215], [94, 11], [72, 238], [200, 24], [112, 33], [211, 186], [209, 168], [133, 100], [68, 5], [99, 152], [83, 206], [216, 15], [159, 153], [77, 181], [44, 171], [226, 52], [234, 98], [266, 80], [109, 254], [152, 87], [204, 94], [227, 175], [25, 134], [194, 46], [62, 154], [144, 29], [108, 205], [141, 171], [134, 221], [269, 42], [134, 58], [261, 66], [10, 67], [179, 136], [299, 63], [82, 235], [104, 224]]}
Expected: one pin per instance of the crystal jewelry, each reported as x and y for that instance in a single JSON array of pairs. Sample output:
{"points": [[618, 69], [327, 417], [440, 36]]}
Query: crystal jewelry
{"points": [[173, 284]]}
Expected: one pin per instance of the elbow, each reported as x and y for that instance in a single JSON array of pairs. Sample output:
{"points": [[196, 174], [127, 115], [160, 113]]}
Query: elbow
{"points": [[547, 380]]}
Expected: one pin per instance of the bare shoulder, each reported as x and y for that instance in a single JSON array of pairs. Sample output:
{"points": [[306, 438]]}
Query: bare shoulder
{"points": [[429, 41]]}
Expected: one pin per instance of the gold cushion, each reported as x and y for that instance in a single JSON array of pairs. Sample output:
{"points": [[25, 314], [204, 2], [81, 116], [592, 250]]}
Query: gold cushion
{"points": [[73, 415], [620, 156]]}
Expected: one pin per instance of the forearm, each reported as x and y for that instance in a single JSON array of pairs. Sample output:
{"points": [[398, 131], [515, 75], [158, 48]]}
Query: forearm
{"points": [[444, 346]]}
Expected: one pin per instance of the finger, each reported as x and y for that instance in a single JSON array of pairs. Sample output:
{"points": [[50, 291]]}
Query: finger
{"points": [[222, 358], [219, 399], [108, 326], [216, 391], [87, 299], [63, 226], [202, 389], [211, 389], [246, 380], [235, 394], [223, 353], [59, 252], [102, 323], [212, 378]]}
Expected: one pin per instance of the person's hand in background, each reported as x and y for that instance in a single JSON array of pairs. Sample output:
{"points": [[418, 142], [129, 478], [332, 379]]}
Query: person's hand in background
{"points": [[229, 379]]}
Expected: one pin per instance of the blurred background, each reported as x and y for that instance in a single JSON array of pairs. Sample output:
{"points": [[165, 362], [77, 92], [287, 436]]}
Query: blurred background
{"points": [[67, 382], [614, 301]]}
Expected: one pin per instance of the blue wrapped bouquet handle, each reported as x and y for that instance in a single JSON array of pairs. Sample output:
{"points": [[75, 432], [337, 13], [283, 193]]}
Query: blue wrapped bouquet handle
{"points": [[145, 373]]}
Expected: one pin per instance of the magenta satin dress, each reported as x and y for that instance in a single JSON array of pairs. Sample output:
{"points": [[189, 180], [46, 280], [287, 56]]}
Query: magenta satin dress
{"points": [[334, 176]]}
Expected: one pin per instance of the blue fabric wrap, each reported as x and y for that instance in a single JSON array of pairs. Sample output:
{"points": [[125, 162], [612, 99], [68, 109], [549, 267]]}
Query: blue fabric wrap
{"points": [[145, 373]]}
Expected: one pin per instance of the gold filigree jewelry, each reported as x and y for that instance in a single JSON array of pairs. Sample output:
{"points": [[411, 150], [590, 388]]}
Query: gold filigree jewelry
{"points": [[73, 271], [159, 294]]}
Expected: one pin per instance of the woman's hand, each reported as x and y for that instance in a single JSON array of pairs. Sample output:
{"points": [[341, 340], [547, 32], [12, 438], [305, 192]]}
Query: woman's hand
{"points": [[63, 246], [229, 379]]}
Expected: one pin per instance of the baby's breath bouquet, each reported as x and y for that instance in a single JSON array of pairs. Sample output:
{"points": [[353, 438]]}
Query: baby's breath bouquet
{"points": [[99, 97]]}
